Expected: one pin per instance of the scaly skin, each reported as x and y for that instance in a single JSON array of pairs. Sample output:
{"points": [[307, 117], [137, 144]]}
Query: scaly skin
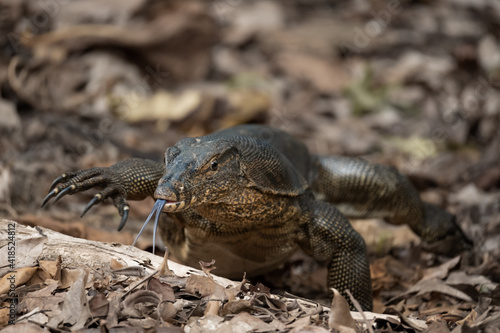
{"points": [[250, 196]]}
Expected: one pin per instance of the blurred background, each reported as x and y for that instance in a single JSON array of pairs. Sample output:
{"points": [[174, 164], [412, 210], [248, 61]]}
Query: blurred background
{"points": [[412, 84]]}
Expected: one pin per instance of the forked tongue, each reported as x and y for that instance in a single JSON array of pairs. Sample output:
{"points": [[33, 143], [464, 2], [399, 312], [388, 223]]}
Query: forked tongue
{"points": [[158, 206]]}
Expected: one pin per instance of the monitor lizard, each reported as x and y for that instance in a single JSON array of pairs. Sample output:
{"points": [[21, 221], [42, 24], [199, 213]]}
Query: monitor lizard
{"points": [[251, 195]]}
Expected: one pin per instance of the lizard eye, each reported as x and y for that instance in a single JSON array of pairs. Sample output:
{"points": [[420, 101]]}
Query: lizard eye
{"points": [[171, 153], [214, 165]]}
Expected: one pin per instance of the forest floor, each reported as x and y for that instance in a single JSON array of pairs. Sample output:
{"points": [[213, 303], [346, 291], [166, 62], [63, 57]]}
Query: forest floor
{"points": [[411, 84]]}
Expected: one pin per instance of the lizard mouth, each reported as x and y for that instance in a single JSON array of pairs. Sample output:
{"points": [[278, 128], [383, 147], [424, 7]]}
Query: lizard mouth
{"points": [[173, 206], [165, 205]]}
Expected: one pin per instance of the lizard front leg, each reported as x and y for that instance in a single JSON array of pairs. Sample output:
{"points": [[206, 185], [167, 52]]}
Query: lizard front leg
{"points": [[131, 179], [331, 238], [360, 189]]}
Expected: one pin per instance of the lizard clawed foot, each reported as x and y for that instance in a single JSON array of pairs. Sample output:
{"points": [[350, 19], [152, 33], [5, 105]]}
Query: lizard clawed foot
{"points": [[72, 182], [79, 181]]}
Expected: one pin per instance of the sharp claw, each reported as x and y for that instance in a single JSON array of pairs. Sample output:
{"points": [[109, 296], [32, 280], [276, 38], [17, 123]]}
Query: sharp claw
{"points": [[91, 203], [124, 218], [49, 196], [67, 190], [57, 181]]}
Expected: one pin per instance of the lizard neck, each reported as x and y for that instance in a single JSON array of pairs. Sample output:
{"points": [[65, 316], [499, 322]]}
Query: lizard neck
{"points": [[251, 206]]}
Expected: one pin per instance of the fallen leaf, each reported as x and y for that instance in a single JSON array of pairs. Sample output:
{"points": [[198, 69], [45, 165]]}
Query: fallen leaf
{"points": [[164, 269], [69, 277], [208, 323], [99, 305], [215, 300], [49, 270], [4, 314], [438, 286], [198, 284], [340, 314], [236, 306], [310, 329], [166, 310], [437, 327], [206, 267], [53, 268], [299, 323], [74, 309], [462, 277], [16, 278], [441, 271], [137, 303], [471, 317], [245, 320], [44, 299], [164, 290]]}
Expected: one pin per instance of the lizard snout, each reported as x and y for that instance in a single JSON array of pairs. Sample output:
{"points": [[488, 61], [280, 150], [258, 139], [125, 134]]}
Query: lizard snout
{"points": [[174, 195], [169, 190]]}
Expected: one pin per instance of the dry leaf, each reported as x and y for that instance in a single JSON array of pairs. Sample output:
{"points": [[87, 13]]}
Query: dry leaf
{"points": [[49, 270], [207, 323], [44, 299], [310, 329], [245, 321], [202, 285], [164, 270], [99, 305], [4, 314], [236, 306], [74, 309], [215, 300], [340, 314], [437, 327], [462, 277], [166, 310], [53, 268], [206, 267], [164, 290], [16, 278], [136, 304], [68, 277], [440, 271], [438, 286]]}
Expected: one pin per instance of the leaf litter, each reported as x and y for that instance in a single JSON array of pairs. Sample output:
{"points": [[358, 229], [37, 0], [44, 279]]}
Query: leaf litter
{"points": [[75, 299], [422, 95]]}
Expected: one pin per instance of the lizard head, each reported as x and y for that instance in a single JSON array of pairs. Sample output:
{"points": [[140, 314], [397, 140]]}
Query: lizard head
{"points": [[198, 171]]}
